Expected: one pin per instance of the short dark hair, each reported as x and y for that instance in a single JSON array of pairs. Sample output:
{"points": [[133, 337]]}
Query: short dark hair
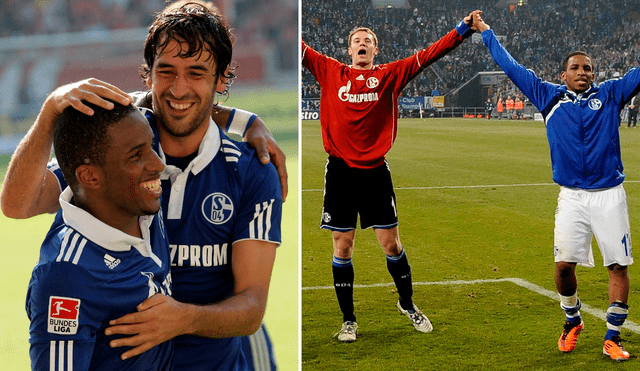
{"points": [[82, 139], [565, 61], [199, 29], [365, 29]]}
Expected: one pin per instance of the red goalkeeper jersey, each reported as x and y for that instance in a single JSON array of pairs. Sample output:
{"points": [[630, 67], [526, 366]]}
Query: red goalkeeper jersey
{"points": [[358, 108]]}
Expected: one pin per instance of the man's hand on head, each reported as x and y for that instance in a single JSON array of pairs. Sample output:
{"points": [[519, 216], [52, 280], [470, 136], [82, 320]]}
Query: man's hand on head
{"points": [[89, 90]]}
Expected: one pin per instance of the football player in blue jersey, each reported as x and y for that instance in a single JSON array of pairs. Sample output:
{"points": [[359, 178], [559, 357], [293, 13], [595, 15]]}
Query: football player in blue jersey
{"points": [[222, 207], [106, 250], [257, 348], [582, 120]]}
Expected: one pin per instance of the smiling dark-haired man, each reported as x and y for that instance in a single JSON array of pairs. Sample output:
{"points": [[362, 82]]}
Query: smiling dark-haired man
{"points": [[107, 249]]}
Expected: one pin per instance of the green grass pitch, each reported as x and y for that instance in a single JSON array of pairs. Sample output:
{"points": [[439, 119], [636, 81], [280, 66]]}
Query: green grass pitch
{"points": [[20, 241], [475, 202]]}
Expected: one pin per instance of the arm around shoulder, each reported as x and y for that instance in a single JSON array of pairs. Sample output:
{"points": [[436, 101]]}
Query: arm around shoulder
{"points": [[255, 132]]}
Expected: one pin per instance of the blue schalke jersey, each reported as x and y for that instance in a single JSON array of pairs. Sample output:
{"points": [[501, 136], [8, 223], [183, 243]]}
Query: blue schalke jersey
{"points": [[258, 350], [224, 195], [582, 129], [90, 273]]}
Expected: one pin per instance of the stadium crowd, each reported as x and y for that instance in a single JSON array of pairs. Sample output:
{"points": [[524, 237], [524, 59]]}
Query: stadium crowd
{"points": [[538, 34]]}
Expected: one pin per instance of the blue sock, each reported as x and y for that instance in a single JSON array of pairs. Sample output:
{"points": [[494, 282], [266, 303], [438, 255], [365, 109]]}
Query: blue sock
{"points": [[616, 315], [572, 312]]}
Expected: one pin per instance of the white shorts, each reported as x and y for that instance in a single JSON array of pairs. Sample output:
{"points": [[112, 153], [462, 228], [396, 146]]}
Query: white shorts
{"points": [[582, 214]]}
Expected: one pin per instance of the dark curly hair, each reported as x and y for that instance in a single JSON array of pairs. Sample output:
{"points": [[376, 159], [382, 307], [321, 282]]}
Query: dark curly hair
{"points": [[82, 139], [197, 30]]}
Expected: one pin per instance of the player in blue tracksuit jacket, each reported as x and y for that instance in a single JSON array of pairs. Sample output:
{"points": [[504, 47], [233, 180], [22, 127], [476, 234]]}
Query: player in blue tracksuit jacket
{"points": [[582, 121], [107, 250]]}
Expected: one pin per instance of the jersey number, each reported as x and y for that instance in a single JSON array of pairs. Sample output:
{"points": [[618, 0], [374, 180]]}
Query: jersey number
{"points": [[626, 242]]}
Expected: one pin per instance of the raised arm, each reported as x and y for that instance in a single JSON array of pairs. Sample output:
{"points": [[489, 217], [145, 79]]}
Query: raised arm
{"points": [[538, 91], [477, 23], [29, 189]]}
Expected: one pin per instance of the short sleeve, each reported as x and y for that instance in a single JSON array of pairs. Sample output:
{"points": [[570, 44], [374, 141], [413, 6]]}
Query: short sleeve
{"points": [[261, 208], [53, 167], [64, 316], [239, 121]]}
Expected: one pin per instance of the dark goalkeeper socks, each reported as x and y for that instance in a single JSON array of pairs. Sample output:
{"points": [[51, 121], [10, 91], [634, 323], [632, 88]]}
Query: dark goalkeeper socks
{"points": [[400, 270], [343, 277]]}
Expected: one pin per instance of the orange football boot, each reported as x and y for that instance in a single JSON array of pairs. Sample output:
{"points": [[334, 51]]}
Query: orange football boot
{"points": [[614, 349], [569, 337]]}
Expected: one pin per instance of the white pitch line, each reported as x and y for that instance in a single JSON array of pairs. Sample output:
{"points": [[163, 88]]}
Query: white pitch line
{"points": [[457, 187], [630, 325], [585, 307], [471, 186]]}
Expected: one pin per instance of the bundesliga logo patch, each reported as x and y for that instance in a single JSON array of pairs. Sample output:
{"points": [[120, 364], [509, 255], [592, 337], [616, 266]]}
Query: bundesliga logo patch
{"points": [[63, 315]]}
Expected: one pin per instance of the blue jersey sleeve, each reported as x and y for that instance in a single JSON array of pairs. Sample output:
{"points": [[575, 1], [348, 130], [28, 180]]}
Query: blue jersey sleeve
{"points": [[261, 208], [239, 121], [53, 167], [258, 351], [538, 91], [64, 319], [624, 88], [464, 30]]}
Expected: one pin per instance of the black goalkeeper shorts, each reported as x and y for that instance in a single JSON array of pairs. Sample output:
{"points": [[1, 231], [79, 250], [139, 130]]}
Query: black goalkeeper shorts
{"points": [[349, 192]]}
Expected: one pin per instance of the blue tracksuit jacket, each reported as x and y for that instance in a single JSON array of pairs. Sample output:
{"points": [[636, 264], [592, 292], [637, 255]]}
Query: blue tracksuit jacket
{"points": [[582, 129]]}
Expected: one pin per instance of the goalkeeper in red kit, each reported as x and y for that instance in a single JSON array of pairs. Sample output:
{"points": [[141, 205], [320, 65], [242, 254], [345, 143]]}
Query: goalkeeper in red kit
{"points": [[359, 120]]}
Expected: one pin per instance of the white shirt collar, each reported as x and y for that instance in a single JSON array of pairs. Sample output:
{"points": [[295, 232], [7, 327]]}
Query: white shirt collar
{"points": [[209, 147], [104, 235]]}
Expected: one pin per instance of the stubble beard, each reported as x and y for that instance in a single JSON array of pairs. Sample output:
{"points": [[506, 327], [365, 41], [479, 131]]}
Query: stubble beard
{"points": [[181, 129]]}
